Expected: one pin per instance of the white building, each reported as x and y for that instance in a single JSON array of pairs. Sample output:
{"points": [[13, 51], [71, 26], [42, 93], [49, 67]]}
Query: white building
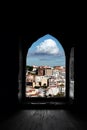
{"points": [[56, 73], [41, 79], [52, 91]]}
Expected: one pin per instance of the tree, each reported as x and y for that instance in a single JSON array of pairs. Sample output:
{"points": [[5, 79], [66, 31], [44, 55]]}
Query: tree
{"points": [[44, 85], [30, 68]]}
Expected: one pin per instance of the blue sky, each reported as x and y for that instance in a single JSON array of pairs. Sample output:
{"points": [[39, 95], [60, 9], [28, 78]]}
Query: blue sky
{"points": [[47, 50]]}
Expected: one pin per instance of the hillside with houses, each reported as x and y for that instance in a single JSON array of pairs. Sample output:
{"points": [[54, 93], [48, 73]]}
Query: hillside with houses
{"points": [[45, 81]]}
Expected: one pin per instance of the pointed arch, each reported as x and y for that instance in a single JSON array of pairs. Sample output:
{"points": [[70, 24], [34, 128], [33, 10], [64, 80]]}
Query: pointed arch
{"points": [[46, 68]]}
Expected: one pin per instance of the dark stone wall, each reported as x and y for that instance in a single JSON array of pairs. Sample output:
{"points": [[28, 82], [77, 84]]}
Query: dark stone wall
{"points": [[9, 65]]}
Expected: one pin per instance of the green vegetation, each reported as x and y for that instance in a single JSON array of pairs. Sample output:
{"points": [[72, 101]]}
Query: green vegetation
{"points": [[37, 87], [60, 94], [62, 85], [44, 86], [30, 68]]}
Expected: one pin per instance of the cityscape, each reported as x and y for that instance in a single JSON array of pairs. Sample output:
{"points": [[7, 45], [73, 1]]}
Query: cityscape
{"points": [[45, 69], [45, 81]]}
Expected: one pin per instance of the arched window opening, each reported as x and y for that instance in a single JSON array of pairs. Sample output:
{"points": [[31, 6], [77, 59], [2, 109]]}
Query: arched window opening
{"points": [[45, 69], [71, 74]]}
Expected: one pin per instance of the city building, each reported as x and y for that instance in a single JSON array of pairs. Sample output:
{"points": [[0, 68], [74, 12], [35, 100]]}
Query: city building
{"points": [[48, 71]]}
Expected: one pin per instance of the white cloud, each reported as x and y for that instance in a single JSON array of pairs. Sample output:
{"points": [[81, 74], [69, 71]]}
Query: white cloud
{"points": [[49, 46]]}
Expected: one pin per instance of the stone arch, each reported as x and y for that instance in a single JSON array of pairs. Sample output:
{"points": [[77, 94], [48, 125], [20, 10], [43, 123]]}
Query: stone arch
{"points": [[46, 48], [71, 74]]}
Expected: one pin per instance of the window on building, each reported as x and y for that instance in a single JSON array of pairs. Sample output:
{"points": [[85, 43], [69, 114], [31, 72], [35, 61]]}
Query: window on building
{"points": [[46, 69]]}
